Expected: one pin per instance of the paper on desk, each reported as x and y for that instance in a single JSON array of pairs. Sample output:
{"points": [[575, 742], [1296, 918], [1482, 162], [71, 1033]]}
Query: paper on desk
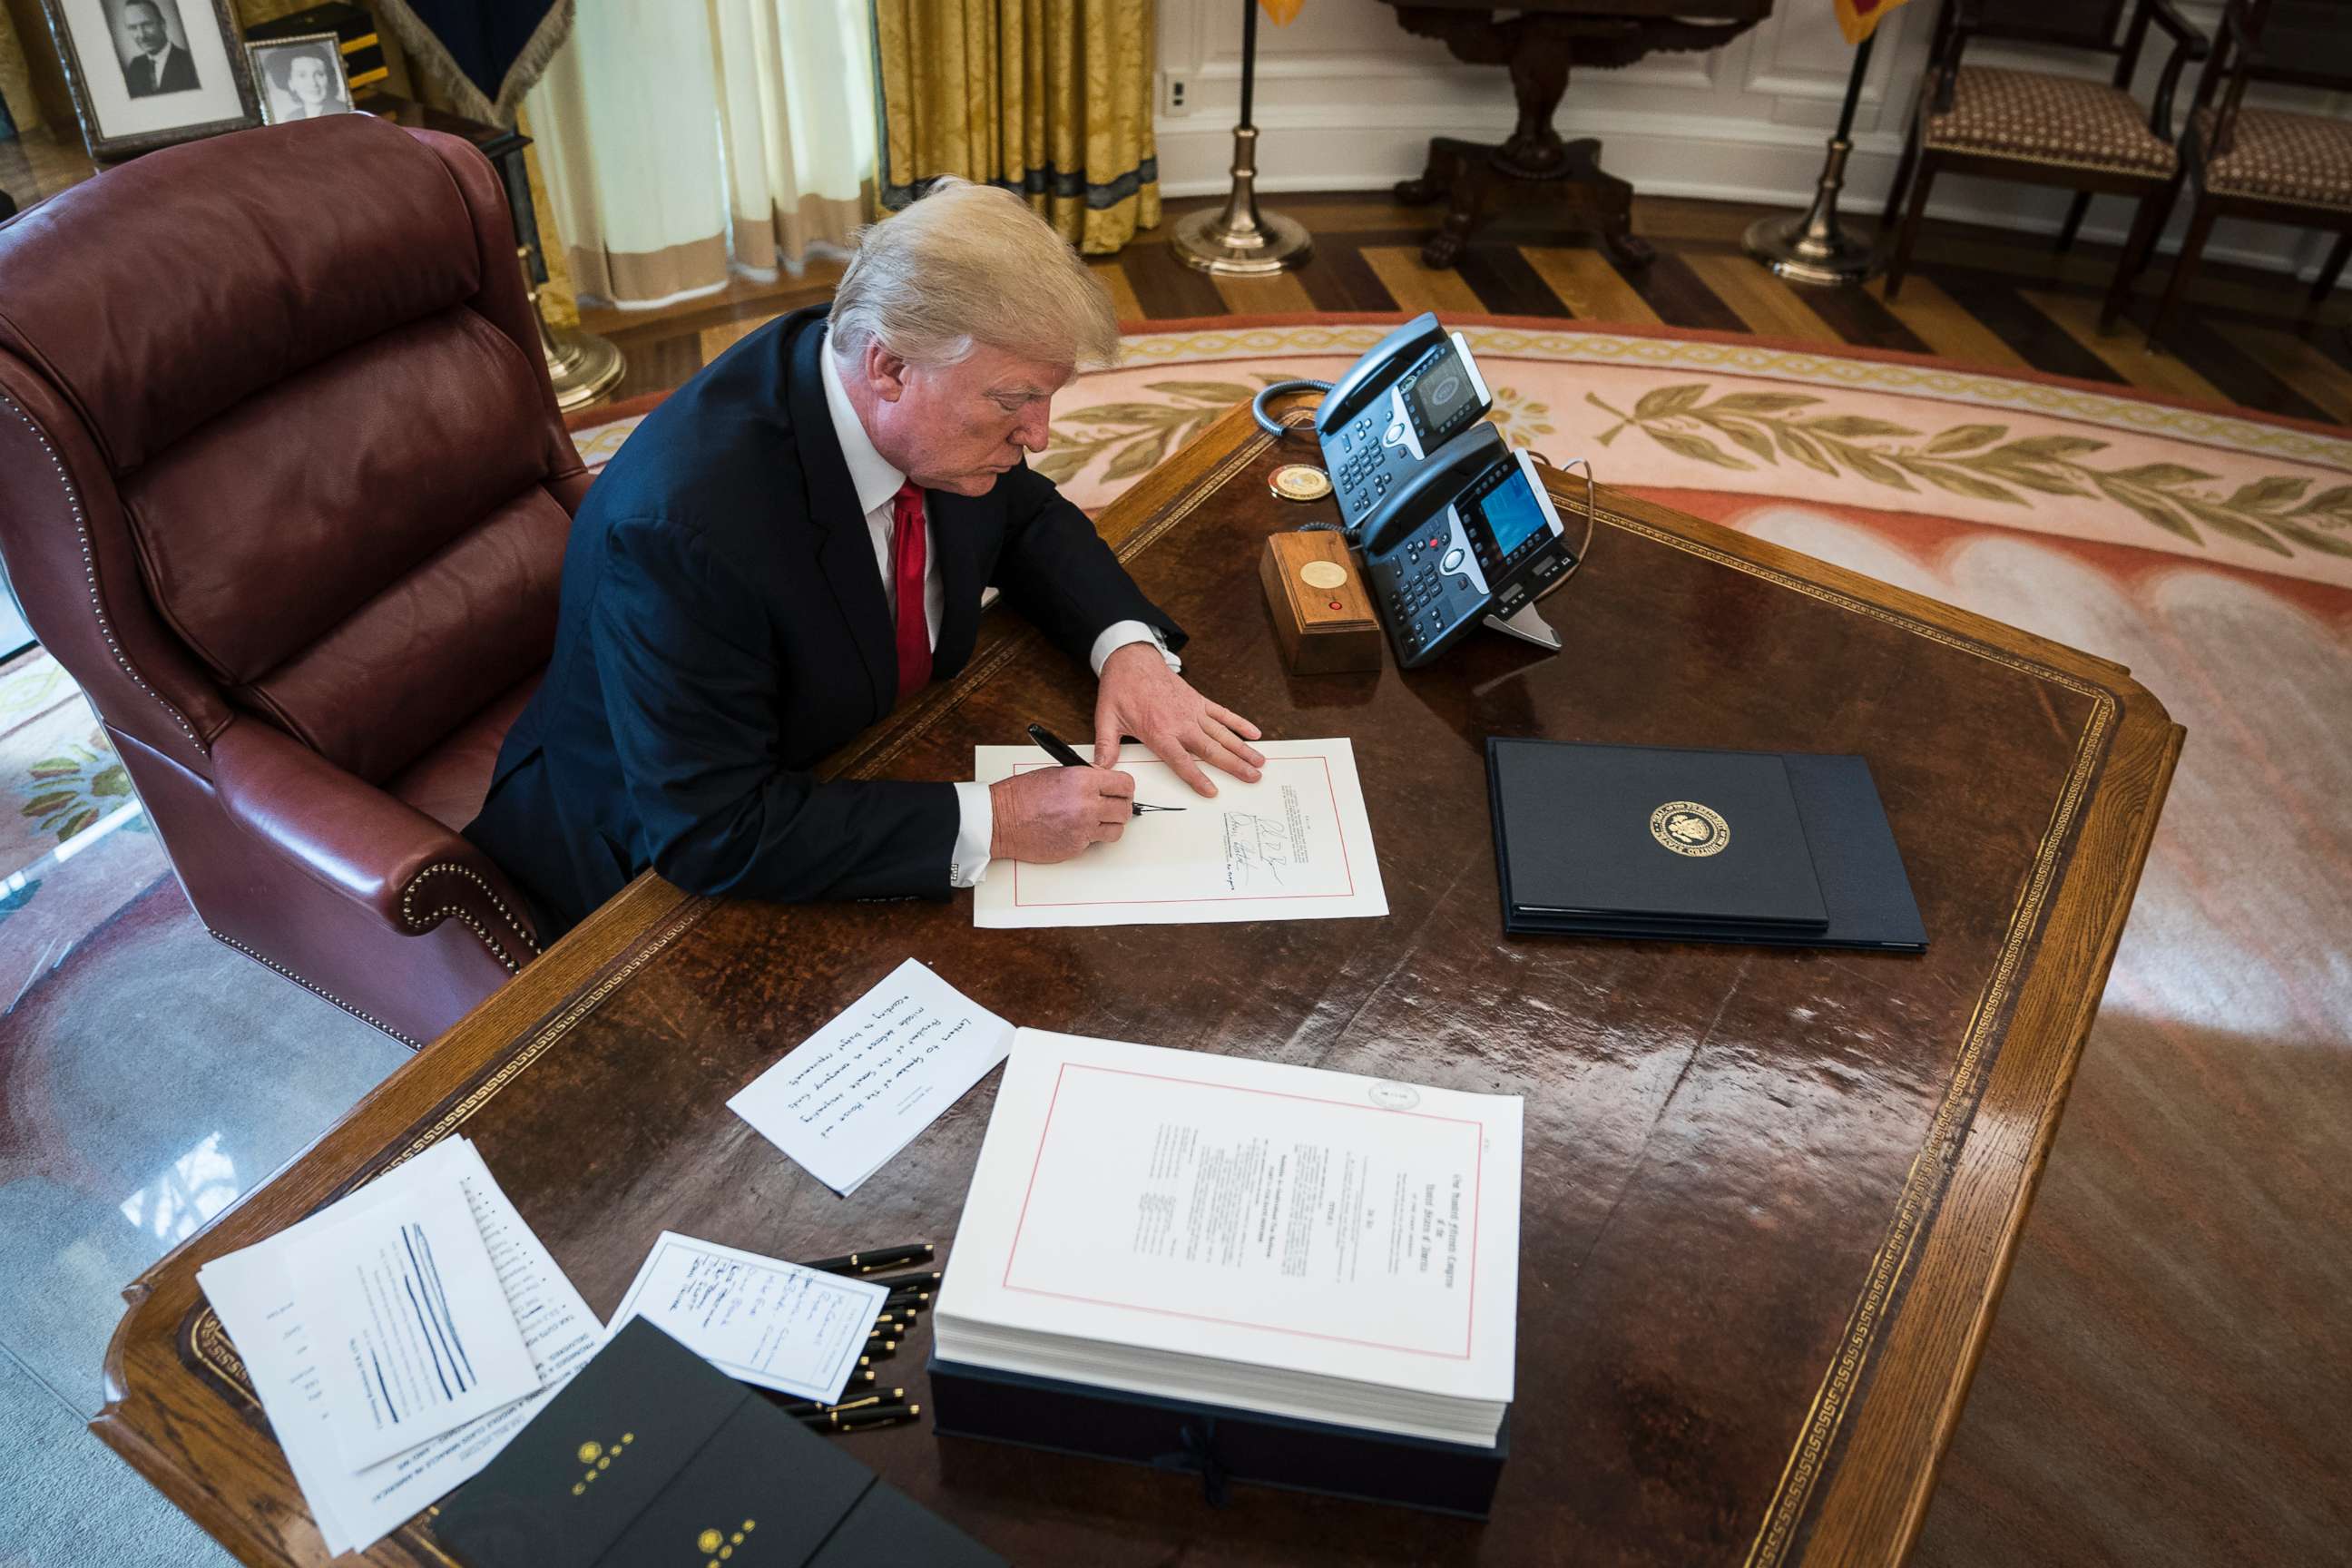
{"points": [[797, 1331], [845, 1099], [1296, 844], [253, 1291], [415, 1335]]}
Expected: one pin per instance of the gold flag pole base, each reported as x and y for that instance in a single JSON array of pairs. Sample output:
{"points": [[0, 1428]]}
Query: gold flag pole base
{"points": [[1238, 240], [1810, 248], [582, 367]]}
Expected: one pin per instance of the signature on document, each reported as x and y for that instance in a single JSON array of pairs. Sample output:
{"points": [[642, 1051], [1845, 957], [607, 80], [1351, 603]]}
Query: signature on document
{"points": [[1259, 849]]}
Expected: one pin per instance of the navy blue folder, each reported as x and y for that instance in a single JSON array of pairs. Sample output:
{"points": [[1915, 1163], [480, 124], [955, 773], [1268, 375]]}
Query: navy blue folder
{"points": [[1693, 845]]}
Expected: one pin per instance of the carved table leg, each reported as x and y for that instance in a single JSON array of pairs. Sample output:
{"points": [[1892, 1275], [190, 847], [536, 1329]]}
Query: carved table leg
{"points": [[1471, 180], [1613, 198], [1432, 183]]}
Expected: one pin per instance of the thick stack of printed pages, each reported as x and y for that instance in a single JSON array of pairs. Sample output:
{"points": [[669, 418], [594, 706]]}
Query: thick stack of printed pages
{"points": [[1245, 1234]]}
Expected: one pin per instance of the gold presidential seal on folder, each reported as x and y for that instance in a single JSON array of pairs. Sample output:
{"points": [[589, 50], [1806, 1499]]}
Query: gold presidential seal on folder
{"points": [[1687, 827]]}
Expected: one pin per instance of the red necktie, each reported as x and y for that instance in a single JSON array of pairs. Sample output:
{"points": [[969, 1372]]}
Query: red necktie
{"points": [[907, 582]]}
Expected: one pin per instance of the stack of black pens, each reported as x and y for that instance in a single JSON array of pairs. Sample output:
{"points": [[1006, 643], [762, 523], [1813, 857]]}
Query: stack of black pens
{"points": [[865, 1402]]}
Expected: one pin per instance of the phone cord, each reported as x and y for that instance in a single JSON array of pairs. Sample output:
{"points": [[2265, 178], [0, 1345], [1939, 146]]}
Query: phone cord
{"points": [[1268, 422]]}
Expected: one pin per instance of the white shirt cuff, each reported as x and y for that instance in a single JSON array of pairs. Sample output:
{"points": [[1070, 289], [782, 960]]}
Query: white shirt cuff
{"points": [[1118, 634], [975, 830]]}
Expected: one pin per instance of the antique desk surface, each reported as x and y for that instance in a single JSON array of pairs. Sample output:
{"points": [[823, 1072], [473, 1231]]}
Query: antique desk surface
{"points": [[1770, 1195]]}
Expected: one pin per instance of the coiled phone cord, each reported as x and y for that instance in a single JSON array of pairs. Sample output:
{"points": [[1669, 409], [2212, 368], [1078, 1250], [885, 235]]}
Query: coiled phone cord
{"points": [[1268, 422]]}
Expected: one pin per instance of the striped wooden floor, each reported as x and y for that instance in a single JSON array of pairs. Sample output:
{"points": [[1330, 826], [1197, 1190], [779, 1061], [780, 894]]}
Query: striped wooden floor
{"points": [[1975, 294]]}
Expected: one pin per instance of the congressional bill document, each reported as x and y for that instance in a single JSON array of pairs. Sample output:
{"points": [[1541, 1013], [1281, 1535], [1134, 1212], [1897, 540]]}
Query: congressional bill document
{"points": [[1295, 846], [1308, 1243]]}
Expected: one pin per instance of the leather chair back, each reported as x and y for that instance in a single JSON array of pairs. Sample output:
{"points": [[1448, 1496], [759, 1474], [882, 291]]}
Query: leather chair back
{"points": [[276, 443]]}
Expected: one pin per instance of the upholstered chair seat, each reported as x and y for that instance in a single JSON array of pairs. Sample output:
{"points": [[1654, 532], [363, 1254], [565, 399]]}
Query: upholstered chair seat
{"points": [[2047, 127], [2279, 156], [2249, 162], [2038, 117], [284, 487]]}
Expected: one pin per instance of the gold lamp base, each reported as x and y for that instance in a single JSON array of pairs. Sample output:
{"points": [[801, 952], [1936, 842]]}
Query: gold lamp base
{"points": [[1238, 240], [582, 367]]}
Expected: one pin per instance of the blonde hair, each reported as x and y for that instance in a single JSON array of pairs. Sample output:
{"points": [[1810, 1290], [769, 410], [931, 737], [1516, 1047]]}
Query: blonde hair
{"points": [[971, 264]]}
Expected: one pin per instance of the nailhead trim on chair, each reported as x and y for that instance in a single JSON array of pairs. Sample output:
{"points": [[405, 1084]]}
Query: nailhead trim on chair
{"points": [[410, 917], [89, 571], [316, 990]]}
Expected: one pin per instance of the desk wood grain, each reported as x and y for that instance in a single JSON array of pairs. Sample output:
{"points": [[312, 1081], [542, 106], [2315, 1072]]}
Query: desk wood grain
{"points": [[1770, 1196]]}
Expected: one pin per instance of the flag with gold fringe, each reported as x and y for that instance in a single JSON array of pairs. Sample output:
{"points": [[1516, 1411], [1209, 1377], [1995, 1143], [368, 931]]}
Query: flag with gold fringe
{"points": [[1857, 19], [1281, 13]]}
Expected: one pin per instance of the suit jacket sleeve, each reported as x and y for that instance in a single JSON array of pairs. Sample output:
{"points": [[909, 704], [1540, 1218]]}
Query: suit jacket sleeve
{"points": [[691, 686], [1059, 573]]}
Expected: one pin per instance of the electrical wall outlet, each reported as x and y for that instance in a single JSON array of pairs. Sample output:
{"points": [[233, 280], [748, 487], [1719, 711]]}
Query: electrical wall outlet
{"points": [[1175, 94]]}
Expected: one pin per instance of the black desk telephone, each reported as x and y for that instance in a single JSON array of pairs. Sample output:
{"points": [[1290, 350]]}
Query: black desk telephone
{"points": [[1454, 527]]}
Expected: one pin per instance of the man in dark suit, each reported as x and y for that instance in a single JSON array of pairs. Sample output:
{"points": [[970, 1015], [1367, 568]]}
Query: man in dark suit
{"points": [[797, 540], [157, 64]]}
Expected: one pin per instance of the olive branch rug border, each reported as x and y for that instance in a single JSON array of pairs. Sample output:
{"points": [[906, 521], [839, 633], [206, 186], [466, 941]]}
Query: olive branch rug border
{"points": [[1669, 350]]}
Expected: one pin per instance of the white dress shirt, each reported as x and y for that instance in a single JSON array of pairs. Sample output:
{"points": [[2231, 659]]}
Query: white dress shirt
{"points": [[877, 484]]}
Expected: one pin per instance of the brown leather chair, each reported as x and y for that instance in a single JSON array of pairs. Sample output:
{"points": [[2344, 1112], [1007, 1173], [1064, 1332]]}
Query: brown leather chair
{"points": [[283, 485]]}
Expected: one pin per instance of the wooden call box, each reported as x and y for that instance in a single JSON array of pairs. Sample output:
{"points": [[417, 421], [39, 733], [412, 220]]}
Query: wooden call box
{"points": [[1322, 616]]}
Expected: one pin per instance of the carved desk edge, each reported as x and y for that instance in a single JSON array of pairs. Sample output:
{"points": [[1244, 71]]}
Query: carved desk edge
{"points": [[1889, 1451]]}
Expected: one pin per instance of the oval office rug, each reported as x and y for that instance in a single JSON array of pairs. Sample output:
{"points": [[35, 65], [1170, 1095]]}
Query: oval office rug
{"points": [[2159, 1319]]}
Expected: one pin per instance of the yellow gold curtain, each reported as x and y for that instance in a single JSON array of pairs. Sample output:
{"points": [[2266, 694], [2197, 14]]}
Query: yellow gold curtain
{"points": [[1049, 97], [16, 79]]}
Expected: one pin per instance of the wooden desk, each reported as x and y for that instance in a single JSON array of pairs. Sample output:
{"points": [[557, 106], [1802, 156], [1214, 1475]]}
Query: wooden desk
{"points": [[1770, 1196]]}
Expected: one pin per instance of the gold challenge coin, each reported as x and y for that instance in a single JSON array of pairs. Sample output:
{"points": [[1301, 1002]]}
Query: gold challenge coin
{"points": [[1299, 482]]}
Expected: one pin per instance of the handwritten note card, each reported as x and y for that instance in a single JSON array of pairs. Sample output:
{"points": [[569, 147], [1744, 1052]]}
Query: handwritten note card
{"points": [[851, 1095], [782, 1326]]}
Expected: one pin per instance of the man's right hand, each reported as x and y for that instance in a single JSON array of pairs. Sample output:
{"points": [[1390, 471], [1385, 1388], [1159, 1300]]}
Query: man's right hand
{"points": [[1053, 814]]}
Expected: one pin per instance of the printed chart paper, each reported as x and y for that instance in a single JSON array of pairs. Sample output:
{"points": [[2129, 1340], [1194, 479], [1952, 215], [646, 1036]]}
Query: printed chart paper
{"points": [[415, 1334], [797, 1331], [1294, 846], [253, 1293], [848, 1098]]}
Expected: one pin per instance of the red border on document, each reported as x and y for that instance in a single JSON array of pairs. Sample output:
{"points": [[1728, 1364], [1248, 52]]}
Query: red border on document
{"points": [[1477, 1211], [1346, 861]]}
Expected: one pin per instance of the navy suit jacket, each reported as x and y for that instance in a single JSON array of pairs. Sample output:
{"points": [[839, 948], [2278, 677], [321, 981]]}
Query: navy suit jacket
{"points": [[723, 629]]}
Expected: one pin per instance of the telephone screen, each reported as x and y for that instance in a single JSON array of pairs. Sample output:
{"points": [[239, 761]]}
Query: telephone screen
{"points": [[1513, 514], [1440, 391]]}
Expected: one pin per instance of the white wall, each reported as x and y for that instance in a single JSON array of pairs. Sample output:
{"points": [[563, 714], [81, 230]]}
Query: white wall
{"points": [[1348, 101]]}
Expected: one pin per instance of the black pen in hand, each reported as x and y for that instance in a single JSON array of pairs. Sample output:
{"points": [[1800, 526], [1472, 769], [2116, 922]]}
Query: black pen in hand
{"points": [[1062, 753]]}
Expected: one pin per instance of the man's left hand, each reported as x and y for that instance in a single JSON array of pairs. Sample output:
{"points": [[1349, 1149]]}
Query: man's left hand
{"points": [[1141, 697]]}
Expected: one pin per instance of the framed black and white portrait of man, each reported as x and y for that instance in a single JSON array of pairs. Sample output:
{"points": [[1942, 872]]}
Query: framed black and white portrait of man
{"points": [[147, 73], [300, 78]]}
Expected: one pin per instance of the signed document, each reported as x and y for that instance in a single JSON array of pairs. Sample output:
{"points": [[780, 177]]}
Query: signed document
{"points": [[851, 1095], [1294, 846], [797, 1331]]}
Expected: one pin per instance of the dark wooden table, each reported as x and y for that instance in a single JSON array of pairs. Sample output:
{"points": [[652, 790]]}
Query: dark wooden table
{"points": [[1770, 1196], [1538, 41]]}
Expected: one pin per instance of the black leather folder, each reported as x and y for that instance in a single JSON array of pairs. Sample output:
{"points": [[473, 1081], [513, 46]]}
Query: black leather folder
{"points": [[650, 1456], [1687, 844]]}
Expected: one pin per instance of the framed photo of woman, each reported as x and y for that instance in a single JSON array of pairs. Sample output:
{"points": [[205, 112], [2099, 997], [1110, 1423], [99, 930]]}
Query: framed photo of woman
{"points": [[300, 78], [147, 73]]}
